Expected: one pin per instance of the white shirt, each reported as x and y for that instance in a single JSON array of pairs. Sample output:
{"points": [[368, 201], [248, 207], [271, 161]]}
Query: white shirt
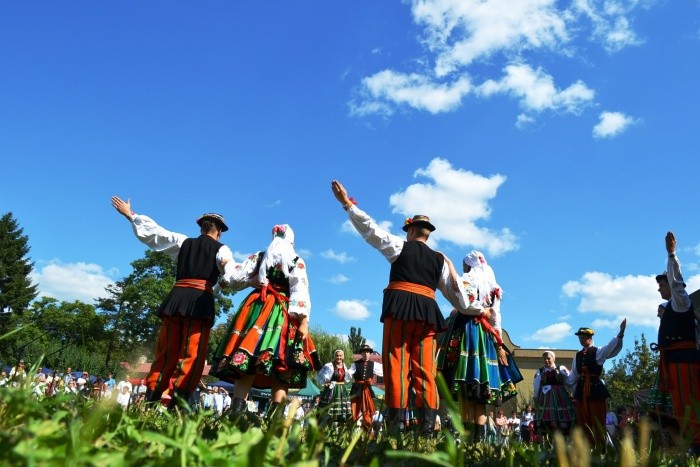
{"points": [[603, 353], [122, 384], [390, 246], [159, 239], [238, 276]]}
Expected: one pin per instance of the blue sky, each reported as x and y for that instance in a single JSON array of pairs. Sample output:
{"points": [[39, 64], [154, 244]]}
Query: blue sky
{"points": [[559, 138]]}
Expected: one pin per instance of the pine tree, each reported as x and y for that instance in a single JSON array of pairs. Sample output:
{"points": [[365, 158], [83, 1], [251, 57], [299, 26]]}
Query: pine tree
{"points": [[16, 288], [355, 339]]}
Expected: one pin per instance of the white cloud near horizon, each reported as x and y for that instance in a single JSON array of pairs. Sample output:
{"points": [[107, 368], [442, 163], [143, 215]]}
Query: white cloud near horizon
{"points": [[72, 281], [338, 279], [553, 333], [615, 298], [342, 258], [612, 124], [456, 222], [352, 309], [459, 37]]}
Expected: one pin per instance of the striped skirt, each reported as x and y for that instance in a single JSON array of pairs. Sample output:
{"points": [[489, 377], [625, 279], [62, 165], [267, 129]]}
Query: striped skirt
{"points": [[261, 341], [336, 398], [468, 359], [554, 407]]}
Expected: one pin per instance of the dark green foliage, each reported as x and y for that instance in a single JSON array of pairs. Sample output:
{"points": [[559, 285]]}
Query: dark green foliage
{"points": [[633, 372], [16, 288], [355, 339]]}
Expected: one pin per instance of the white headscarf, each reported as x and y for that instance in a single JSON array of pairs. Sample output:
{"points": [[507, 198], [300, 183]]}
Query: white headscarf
{"points": [[280, 252]]}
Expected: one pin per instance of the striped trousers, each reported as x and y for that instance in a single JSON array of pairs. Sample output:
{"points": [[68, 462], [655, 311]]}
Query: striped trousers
{"points": [[181, 351], [408, 357], [683, 381]]}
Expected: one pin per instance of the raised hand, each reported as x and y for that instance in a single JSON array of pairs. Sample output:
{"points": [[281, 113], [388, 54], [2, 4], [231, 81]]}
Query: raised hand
{"points": [[124, 207]]}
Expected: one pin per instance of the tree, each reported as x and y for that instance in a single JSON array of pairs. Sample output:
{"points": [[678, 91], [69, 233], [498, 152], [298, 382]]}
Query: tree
{"points": [[355, 340], [16, 288], [326, 344], [634, 372]]}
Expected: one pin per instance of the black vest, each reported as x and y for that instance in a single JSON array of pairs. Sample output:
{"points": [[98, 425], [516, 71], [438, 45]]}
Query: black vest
{"points": [[586, 364], [363, 370], [678, 327], [418, 264]]}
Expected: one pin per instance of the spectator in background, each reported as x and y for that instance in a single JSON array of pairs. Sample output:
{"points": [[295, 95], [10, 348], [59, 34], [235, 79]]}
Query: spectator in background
{"points": [[125, 382], [526, 424], [141, 388], [69, 376], [18, 373], [124, 397], [514, 425], [4, 379], [111, 383]]}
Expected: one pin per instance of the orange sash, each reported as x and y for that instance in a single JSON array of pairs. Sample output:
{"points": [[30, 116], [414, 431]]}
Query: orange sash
{"points": [[199, 284], [411, 287]]}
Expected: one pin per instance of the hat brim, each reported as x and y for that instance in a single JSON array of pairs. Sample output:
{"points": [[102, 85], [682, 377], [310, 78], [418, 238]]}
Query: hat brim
{"points": [[216, 220], [365, 349], [424, 224]]}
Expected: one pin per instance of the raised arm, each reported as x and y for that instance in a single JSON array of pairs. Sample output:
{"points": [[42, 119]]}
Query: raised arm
{"points": [[680, 300], [148, 231], [387, 244]]}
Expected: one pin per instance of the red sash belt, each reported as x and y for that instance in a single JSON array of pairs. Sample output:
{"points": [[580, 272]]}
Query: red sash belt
{"points": [[199, 284], [488, 328], [411, 287]]}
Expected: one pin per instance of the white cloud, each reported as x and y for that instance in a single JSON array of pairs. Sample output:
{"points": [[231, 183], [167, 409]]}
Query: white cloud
{"points": [[342, 258], [456, 221], [612, 124], [72, 281], [633, 297], [463, 31], [352, 309], [414, 90], [536, 90], [523, 121], [552, 333], [338, 279], [464, 39]]}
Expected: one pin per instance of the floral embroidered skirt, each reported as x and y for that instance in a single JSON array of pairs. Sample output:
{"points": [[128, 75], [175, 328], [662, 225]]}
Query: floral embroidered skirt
{"points": [[555, 408], [468, 360], [336, 397], [261, 340]]}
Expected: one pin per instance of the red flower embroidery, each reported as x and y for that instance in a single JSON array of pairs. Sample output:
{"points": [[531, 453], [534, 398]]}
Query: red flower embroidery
{"points": [[238, 358], [301, 265], [265, 356]]}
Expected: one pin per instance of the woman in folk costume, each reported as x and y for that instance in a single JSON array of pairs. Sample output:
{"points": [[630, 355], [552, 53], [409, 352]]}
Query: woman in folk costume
{"points": [[268, 343], [471, 356], [555, 409], [335, 379]]}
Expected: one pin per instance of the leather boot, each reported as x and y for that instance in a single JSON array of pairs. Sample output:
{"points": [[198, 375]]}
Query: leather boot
{"points": [[427, 426], [394, 421]]}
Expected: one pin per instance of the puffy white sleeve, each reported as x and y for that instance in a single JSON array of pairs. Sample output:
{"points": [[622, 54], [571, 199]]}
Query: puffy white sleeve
{"points": [[680, 300], [299, 298], [387, 244], [348, 376], [464, 298], [325, 374], [610, 350], [536, 383], [495, 319], [352, 369], [238, 276], [156, 237], [378, 369]]}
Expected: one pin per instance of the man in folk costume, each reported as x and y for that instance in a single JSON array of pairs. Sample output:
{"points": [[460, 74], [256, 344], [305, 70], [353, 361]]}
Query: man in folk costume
{"points": [[590, 393], [679, 365], [361, 393], [187, 313], [410, 314]]}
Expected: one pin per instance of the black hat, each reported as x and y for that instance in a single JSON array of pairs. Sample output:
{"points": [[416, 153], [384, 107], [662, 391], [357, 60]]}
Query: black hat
{"points": [[584, 332], [419, 221], [217, 218], [365, 348]]}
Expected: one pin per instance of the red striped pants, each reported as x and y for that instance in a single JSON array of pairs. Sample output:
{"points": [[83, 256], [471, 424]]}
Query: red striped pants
{"points": [[408, 357], [181, 351]]}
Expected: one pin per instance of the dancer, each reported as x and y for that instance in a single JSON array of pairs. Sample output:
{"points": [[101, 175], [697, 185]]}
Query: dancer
{"points": [[679, 365], [362, 395], [555, 409], [268, 343], [590, 393], [411, 316], [477, 366], [188, 310], [334, 378]]}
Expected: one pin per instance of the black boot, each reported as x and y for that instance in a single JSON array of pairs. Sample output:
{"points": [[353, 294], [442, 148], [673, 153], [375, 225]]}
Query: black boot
{"points": [[479, 431], [427, 426], [239, 415], [395, 421]]}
